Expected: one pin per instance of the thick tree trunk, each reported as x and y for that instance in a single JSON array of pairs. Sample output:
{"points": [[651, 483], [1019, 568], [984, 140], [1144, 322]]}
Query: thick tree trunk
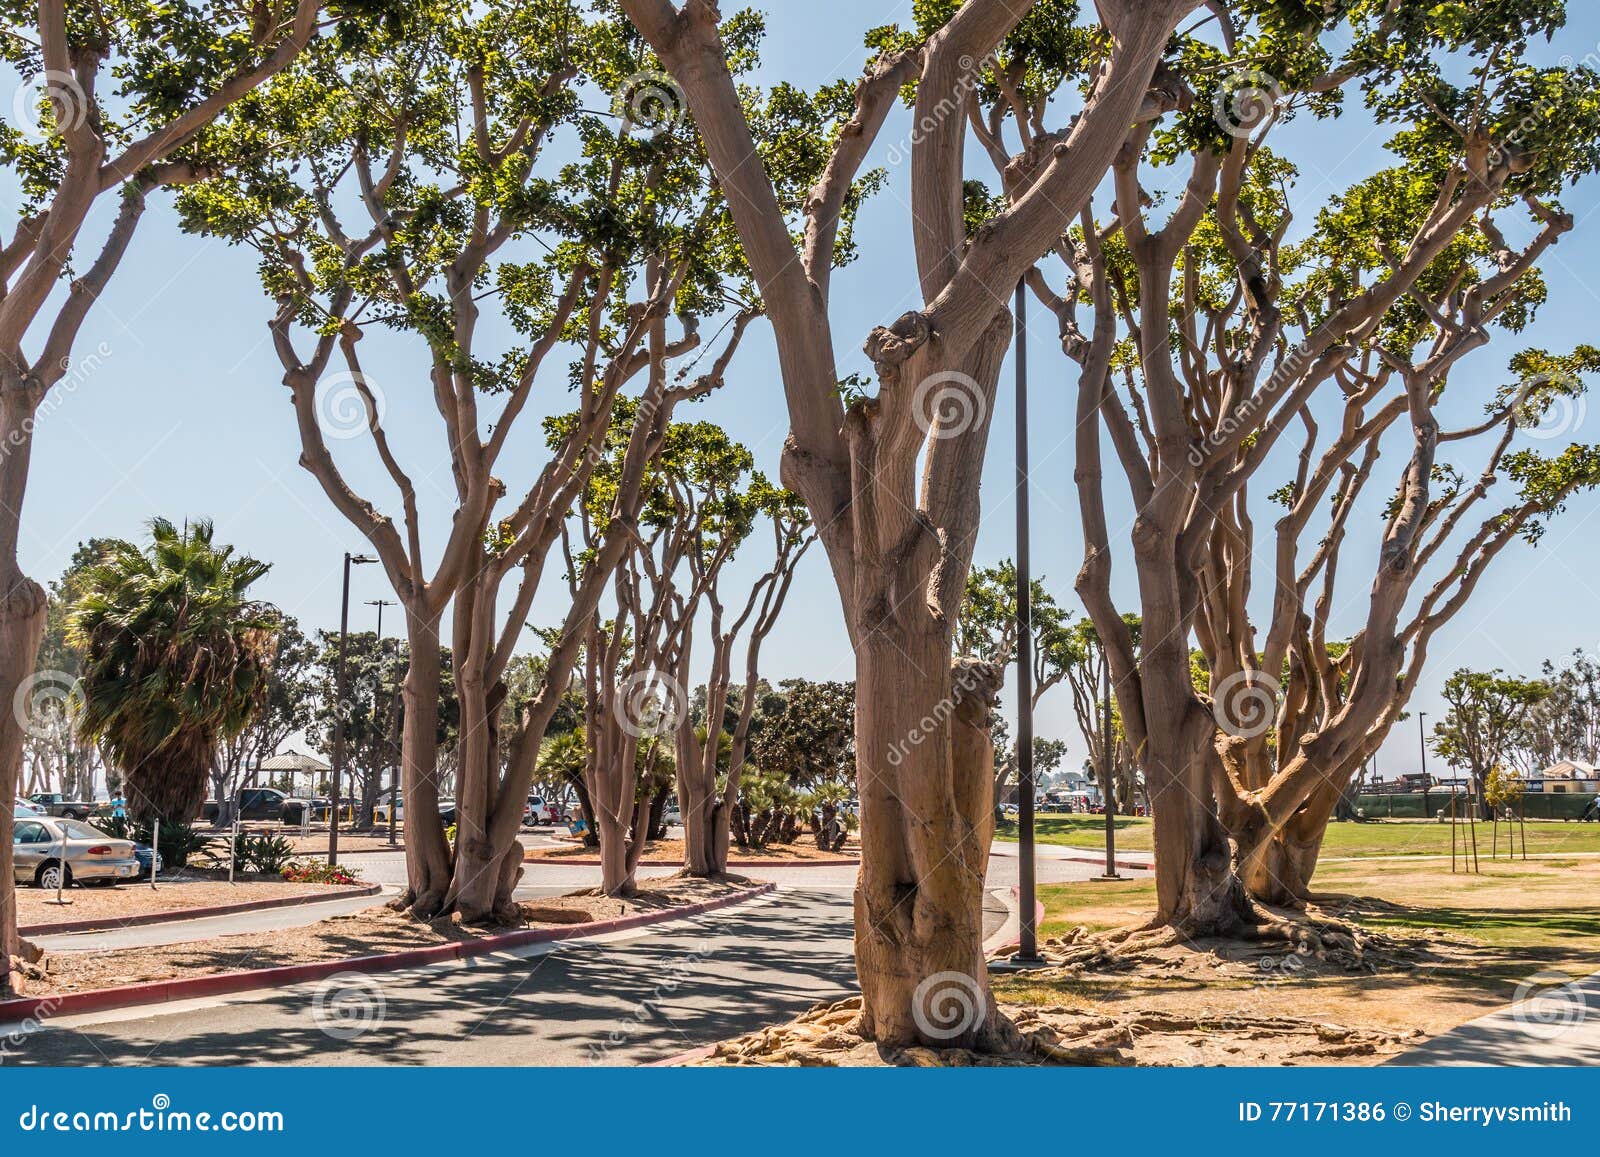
{"points": [[616, 877], [1197, 891], [1279, 872], [1277, 869], [925, 772], [700, 809], [22, 623], [428, 857]]}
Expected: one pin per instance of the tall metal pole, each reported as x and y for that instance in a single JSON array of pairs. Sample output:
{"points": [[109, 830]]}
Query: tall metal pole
{"points": [[1028, 940], [394, 771], [1108, 790], [1422, 742], [338, 715]]}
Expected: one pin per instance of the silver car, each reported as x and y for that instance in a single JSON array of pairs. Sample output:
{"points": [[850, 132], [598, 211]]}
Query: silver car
{"points": [[92, 857]]}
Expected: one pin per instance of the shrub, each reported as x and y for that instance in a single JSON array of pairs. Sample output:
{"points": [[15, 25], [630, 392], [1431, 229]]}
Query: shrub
{"points": [[179, 842], [261, 853], [319, 872]]}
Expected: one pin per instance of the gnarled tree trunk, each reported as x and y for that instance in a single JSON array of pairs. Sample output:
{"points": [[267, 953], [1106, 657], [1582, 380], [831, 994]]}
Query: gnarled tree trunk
{"points": [[22, 623], [428, 855]]}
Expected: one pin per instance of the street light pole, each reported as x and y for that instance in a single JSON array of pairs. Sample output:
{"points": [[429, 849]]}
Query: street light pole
{"points": [[394, 787], [1108, 785], [339, 706], [1028, 939], [1422, 742]]}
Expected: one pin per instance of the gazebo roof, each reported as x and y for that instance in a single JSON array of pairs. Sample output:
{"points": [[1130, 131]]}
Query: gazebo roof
{"points": [[294, 761]]}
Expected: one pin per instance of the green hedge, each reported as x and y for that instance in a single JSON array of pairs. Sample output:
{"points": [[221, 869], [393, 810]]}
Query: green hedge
{"points": [[1426, 805]]}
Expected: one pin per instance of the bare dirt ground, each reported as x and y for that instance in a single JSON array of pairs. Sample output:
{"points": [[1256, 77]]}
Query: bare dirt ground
{"points": [[1388, 956], [369, 932], [671, 852], [176, 893]]}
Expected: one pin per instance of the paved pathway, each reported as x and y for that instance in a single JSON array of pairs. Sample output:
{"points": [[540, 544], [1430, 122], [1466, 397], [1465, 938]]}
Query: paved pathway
{"points": [[626, 999], [1557, 1024], [623, 999]]}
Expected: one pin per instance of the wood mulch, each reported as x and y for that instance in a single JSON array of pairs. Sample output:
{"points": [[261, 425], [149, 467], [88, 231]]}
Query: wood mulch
{"points": [[175, 893]]}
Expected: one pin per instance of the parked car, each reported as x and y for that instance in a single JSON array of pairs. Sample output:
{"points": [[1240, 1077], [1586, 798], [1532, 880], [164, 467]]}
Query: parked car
{"points": [[265, 804], [380, 813], [670, 814], [22, 809], [53, 803], [92, 857], [143, 853], [541, 811]]}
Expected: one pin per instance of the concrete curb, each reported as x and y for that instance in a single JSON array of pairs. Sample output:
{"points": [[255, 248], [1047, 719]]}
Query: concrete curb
{"points": [[1008, 932], [163, 991], [178, 916]]}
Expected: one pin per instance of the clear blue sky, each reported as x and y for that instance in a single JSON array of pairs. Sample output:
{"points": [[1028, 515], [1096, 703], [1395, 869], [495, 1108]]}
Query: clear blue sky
{"points": [[186, 416]]}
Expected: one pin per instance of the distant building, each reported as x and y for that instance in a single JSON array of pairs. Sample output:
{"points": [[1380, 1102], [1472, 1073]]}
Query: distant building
{"points": [[1569, 777], [1074, 781]]}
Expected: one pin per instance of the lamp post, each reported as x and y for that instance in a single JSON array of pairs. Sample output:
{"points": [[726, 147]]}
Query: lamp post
{"points": [[1422, 742], [339, 705], [1028, 939], [1108, 785], [394, 787]]}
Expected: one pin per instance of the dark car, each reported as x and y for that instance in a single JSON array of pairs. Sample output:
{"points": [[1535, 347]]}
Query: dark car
{"points": [[61, 806], [267, 804], [143, 853]]}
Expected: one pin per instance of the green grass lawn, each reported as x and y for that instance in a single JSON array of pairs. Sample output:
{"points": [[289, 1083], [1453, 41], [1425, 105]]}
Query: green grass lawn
{"points": [[1543, 904], [1375, 838]]}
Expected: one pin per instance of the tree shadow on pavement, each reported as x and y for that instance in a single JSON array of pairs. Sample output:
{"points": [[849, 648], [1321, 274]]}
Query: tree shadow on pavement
{"points": [[618, 1002]]}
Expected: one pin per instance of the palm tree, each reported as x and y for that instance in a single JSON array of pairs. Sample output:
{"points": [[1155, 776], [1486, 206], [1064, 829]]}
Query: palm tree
{"points": [[176, 660]]}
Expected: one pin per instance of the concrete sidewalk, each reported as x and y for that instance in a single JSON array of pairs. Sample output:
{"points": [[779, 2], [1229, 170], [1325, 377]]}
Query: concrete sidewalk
{"points": [[1551, 1023]]}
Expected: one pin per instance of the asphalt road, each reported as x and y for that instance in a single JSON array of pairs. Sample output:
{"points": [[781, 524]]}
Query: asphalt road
{"points": [[629, 998]]}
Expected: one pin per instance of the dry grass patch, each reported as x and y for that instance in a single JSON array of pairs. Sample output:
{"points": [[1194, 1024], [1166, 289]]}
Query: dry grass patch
{"points": [[1390, 955]]}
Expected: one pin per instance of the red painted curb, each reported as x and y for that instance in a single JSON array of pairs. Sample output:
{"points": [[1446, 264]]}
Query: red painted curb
{"points": [[179, 915], [586, 862], [161, 991]]}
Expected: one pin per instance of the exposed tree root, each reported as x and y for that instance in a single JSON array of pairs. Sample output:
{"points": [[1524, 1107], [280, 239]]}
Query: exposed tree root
{"points": [[828, 1035], [30, 963], [1311, 935]]}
